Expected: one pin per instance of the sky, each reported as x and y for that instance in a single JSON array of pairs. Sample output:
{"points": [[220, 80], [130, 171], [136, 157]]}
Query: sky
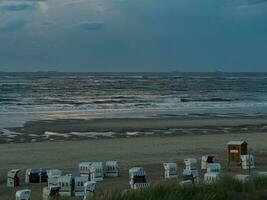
{"points": [[133, 35]]}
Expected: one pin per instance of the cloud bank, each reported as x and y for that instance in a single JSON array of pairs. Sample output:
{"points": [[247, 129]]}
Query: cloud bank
{"points": [[14, 6], [125, 35], [23, 5]]}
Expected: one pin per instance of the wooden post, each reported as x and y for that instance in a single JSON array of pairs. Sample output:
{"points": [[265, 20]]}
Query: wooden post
{"points": [[249, 161]]}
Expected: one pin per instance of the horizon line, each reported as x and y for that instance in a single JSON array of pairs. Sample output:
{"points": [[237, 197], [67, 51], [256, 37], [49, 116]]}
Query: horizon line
{"points": [[174, 71]]}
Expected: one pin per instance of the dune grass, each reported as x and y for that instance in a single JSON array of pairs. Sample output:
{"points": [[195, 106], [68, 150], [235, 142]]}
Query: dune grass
{"points": [[224, 189]]}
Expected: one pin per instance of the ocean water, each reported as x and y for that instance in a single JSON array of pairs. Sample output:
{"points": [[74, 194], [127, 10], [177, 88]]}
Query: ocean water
{"points": [[161, 93]]}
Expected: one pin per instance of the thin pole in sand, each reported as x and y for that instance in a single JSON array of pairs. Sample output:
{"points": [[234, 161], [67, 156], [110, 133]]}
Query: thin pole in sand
{"points": [[249, 161]]}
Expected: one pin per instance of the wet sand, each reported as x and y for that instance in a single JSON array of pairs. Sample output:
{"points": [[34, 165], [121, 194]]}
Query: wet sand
{"points": [[121, 124], [80, 129]]}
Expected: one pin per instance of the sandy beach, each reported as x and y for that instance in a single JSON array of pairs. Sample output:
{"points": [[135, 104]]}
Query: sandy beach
{"points": [[148, 151]]}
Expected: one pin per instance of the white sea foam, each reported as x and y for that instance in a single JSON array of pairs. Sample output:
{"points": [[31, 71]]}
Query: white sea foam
{"points": [[48, 134], [132, 133], [8, 134], [168, 132], [33, 135], [79, 134], [92, 134]]}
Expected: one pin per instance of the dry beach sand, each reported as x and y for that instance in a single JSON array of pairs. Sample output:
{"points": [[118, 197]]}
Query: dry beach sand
{"points": [[203, 136]]}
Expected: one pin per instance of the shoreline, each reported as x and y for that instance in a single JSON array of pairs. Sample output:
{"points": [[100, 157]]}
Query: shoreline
{"points": [[18, 119], [86, 129]]}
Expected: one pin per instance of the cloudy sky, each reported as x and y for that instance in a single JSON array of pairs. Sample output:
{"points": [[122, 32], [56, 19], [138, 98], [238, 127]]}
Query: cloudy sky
{"points": [[133, 35]]}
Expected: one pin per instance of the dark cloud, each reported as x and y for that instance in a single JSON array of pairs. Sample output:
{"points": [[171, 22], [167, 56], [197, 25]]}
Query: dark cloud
{"points": [[12, 25], [18, 6], [88, 26], [21, 5]]}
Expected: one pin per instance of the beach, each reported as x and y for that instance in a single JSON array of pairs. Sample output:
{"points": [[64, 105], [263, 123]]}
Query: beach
{"points": [[148, 151], [144, 119]]}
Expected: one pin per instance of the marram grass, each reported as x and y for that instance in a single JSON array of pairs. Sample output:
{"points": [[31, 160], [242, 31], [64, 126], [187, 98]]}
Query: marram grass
{"points": [[224, 189]]}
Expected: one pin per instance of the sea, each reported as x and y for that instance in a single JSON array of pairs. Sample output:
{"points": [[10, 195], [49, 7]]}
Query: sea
{"points": [[45, 95]]}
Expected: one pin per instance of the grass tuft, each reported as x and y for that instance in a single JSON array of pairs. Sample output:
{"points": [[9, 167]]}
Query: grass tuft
{"points": [[226, 188]]}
